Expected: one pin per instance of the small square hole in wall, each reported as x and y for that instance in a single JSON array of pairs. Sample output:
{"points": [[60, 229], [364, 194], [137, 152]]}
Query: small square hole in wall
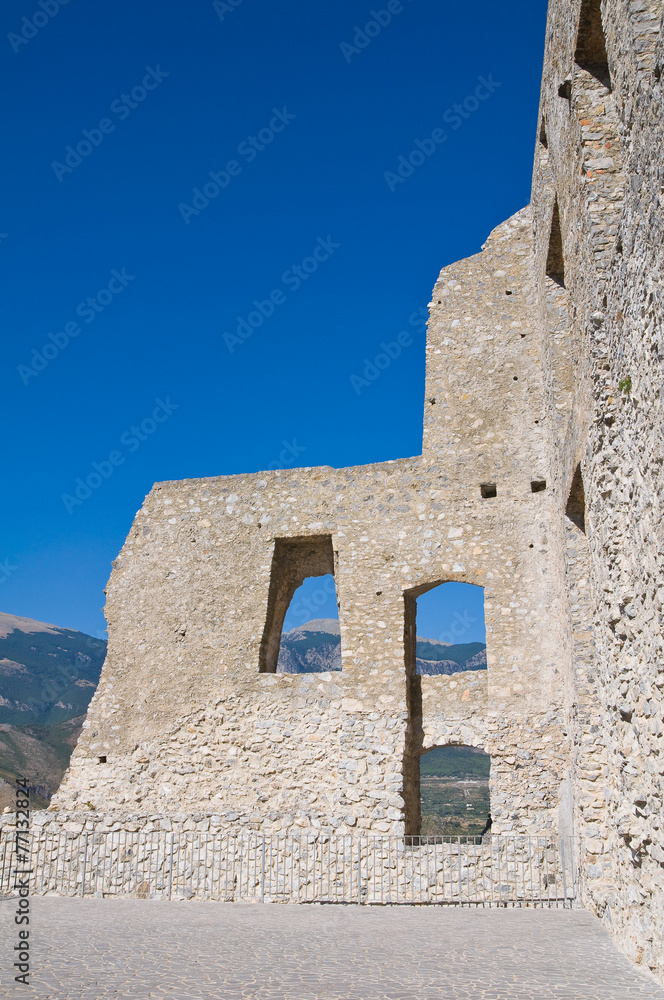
{"points": [[488, 491], [538, 485], [102, 759]]}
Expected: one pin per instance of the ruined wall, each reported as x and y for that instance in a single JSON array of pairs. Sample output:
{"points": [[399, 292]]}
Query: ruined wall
{"points": [[188, 717], [602, 160], [540, 479]]}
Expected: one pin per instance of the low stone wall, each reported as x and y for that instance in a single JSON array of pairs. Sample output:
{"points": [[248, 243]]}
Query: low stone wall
{"points": [[242, 866]]}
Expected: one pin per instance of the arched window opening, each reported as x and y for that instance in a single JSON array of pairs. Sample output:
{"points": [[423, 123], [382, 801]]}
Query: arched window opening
{"points": [[444, 633], [590, 52], [310, 638], [301, 632], [451, 630], [454, 792], [576, 502]]}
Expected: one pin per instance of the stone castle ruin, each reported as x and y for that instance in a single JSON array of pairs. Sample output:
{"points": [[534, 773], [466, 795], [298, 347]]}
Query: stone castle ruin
{"points": [[540, 480]]}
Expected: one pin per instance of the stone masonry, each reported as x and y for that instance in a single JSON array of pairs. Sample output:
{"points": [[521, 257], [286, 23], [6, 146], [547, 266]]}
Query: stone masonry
{"points": [[540, 480]]}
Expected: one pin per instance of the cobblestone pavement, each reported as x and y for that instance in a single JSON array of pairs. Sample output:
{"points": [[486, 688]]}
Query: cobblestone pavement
{"points": [[96, 948]]}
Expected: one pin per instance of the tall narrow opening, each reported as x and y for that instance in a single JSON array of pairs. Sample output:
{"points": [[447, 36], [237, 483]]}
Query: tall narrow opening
{"points": [[454, 792], [590, 54], [445, 633], [451, 630], [576, 502], [555, 261], [301, 632], [560, 356], [601, 153]]}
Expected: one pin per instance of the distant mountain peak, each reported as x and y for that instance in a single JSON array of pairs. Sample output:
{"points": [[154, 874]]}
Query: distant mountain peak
{"points": [[330, 625], [11, 623], [433, 657], [47, 677], [314, 647], [433, 642], [47, 674]]}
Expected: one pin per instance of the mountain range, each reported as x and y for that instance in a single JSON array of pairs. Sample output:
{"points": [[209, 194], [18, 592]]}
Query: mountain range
{"points": [[311, 648], [47, 678], [434, 657], [316, 646]]}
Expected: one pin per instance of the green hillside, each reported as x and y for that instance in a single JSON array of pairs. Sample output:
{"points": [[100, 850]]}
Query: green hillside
{"points": [[48, 677], [454, 791], [456, 762]]}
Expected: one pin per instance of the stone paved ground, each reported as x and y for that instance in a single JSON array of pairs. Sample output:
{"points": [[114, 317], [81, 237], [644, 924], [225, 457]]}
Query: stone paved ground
{"points": [[96, 948]]}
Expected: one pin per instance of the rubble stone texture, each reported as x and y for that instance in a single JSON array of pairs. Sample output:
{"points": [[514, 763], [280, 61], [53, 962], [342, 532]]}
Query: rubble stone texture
{"points": [[544, 366]]}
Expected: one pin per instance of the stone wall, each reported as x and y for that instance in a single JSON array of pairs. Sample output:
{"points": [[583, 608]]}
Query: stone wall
{"points": [[540, 480], [602, 163], [182, 858], [186, 720]]}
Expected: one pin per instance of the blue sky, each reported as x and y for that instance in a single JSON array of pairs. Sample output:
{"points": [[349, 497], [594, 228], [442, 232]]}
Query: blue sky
{"points": [[123, 295]]}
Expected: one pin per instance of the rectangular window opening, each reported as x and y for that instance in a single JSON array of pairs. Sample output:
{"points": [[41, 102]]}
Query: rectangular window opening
{"points": [[444, 633], [301, 633], [488, 491], [590, 54]]}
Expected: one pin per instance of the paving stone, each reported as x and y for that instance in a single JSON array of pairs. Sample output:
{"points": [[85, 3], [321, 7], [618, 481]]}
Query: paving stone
{"points": [[198, 951]]}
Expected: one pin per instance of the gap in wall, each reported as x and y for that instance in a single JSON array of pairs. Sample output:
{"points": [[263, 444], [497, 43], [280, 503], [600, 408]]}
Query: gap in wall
{"points": [[294, 601], [444, 633], [590, 54], [576, 502], [454, 792], [555, 261], [310, 638]]}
